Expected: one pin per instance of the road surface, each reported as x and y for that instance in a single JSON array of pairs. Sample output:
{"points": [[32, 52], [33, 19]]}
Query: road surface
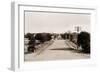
{"points": [[59, 50]]}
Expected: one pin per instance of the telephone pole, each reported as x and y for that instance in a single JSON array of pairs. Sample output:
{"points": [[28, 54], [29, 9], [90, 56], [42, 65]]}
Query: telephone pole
{"points": [[77, 29]]}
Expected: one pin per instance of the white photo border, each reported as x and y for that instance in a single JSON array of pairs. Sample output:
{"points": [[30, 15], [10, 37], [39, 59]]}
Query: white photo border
{"points": [[18, 10]]}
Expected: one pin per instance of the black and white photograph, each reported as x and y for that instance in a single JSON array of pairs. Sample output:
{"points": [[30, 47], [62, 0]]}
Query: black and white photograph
{"points": [[47, 36], [52, 35]]}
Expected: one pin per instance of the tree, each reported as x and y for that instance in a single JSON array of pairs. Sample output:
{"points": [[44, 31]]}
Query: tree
{"points": [[83, 40], [31, 44], [28, 35], [39, 36]]}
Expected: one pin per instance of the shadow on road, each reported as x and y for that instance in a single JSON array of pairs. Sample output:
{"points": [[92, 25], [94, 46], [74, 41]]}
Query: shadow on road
{"points": [[62, 49], [68, 49]]}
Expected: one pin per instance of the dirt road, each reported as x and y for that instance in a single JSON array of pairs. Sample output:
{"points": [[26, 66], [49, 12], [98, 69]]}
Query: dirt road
{"points": [[59, 50]]}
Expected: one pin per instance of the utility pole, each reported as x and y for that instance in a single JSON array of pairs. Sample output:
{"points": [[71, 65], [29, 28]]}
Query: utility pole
{"points": [[77, 29]]}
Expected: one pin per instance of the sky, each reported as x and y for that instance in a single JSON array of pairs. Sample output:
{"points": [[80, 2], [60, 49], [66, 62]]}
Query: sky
{"points": [[55, 22]]}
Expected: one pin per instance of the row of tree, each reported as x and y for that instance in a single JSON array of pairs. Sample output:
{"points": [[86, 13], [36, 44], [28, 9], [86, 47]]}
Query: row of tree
{"points": [[81, 39], [36, 39]]}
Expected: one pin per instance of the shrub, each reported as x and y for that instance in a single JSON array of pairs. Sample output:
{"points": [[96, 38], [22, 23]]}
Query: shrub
{"points": [[83, 40]]}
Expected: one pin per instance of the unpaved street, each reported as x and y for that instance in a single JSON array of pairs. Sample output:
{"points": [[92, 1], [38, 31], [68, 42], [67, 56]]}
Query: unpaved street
{"points": [[59, 50]]}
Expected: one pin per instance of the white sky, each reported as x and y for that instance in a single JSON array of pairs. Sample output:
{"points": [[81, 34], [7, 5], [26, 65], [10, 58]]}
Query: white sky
{"points": [[55, 22]]}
